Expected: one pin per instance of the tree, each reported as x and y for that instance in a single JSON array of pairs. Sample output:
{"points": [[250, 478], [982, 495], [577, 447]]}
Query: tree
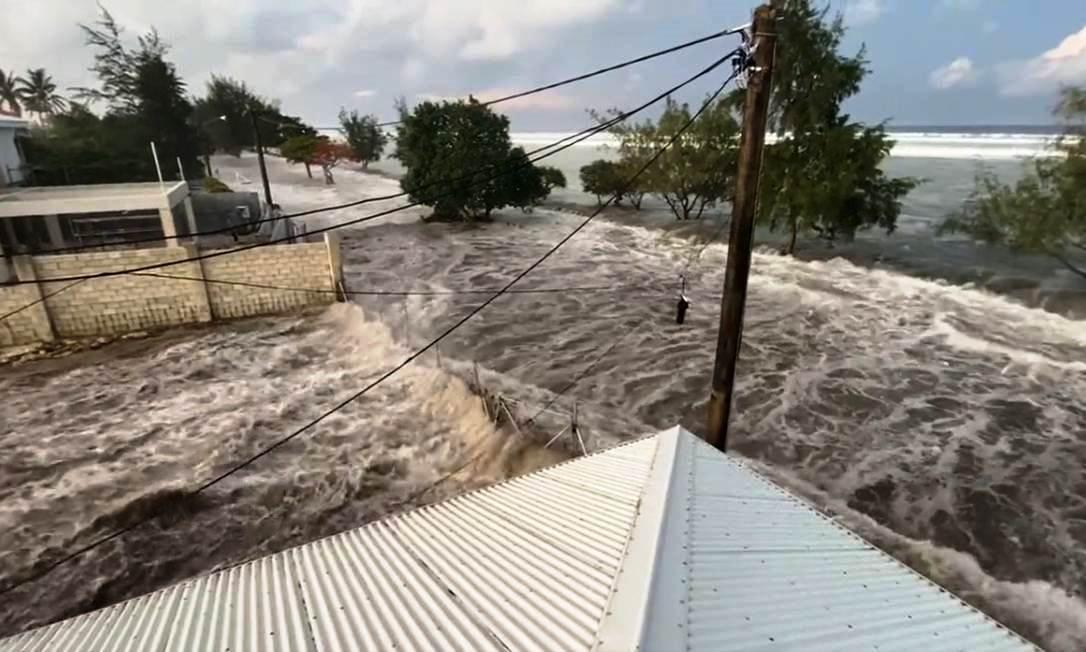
{"points": [[552, 177], [525, 185], [363, 135], [698, 169], [695, 172], [823, 172], [300, 149], [459, 160], [116, 65], [81, 147], [602, 179], [38, 93], [1045, 212], [222, 115], [164, 111], [9, 93], [328, 155], [147, 103]]}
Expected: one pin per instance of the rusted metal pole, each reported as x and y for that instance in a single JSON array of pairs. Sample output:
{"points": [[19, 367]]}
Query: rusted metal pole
{"points": [[751, 144]]}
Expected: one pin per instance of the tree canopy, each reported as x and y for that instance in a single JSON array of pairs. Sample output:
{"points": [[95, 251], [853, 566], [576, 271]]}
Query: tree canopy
{"points": [[147, 102], [9, 93], [1045, 212], [363, 135], [38, 93], [693, 174], [301, 149], [222, 116], [459, 160], [822, 174], [328, 155], [602, 178]]}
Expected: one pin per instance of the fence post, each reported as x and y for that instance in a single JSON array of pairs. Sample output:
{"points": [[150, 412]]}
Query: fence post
{"points": [[335, 264], [205, 311]]}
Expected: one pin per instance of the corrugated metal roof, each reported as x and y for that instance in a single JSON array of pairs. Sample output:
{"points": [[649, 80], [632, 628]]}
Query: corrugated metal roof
{"points": [[741, 564], [660, 544]]}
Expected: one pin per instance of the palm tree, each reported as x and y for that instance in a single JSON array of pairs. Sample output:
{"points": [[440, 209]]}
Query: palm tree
{"points": [[39, 93], [9, 93]]}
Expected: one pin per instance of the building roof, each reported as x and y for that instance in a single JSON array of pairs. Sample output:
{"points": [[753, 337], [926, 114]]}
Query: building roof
{"points": [[660, 544], [102, 197], [9, 121]]}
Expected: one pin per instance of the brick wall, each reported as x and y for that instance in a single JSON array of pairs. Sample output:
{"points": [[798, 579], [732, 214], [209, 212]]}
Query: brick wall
{"points": [[119, 304], [292, 266], [30, 325]]}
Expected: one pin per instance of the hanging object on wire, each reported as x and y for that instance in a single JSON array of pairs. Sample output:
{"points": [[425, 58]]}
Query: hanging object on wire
{"points": [[681, 307]]}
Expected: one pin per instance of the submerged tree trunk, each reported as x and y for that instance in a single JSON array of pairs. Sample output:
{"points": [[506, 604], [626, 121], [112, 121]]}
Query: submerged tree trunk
{"points": [[792, 241], [308, 170], [365, 164], [329, 180]]}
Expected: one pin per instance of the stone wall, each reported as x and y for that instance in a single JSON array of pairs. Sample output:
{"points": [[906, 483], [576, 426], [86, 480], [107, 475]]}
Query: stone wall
{"points": [[181, 293], [303, 266]]}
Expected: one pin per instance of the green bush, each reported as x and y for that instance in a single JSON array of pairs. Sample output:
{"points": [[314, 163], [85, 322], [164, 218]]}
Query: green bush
{"points": [[602, 179], [211, 184], [460, 161]]}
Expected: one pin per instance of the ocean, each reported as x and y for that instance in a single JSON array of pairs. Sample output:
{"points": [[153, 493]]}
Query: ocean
{"points": [[925, 391]]}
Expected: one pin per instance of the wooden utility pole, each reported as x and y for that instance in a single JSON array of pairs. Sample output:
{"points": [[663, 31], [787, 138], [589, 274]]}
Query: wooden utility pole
{"points": [[755, 110], [260, 156]]}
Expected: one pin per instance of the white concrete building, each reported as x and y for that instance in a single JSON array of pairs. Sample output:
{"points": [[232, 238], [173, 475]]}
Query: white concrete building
{"points": [[48, 218], [11, 158]]}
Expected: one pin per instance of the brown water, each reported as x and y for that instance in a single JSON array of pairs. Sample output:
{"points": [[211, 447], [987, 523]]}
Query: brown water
{"points": [[952, 417]]}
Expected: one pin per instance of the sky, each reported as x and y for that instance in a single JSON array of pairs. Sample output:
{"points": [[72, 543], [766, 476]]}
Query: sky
{"points": [[948, 62]]}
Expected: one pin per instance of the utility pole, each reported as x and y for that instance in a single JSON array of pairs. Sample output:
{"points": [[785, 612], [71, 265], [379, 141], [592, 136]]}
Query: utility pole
{"points": [[260, 157], [751, 144]]}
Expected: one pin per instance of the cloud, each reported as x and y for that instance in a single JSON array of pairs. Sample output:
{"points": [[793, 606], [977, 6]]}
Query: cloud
{"points": [[960, 5], [1062, 65], [989, 26], [959, 72], [310, 53], [860, 12], [365, 92], [472, 30]]}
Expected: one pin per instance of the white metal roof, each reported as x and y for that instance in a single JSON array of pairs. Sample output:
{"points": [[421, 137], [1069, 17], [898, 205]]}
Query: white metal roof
{"points": [[660, 544], [90, 198]]}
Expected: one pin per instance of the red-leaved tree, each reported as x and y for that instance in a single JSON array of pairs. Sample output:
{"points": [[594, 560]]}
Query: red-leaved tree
{"points": [[329, 154]]}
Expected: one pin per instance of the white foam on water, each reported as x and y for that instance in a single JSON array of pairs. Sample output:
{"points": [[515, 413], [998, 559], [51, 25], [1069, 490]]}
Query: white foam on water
{"points": [[906, 145], [966, 404]]}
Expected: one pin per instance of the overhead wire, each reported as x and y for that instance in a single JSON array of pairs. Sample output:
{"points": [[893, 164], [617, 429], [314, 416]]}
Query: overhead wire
{"points": [[572, 140], [539, 89], [47, 568], [741, 29]]}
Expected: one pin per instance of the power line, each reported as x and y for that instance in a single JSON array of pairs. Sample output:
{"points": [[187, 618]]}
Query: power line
{"points": [[573, 140], [595, 73], [47, 568], [513, 96]]}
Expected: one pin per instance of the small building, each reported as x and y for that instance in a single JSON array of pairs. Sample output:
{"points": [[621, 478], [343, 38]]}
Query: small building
{"points": [[49, 218], [11, 155], [657, 545]]}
